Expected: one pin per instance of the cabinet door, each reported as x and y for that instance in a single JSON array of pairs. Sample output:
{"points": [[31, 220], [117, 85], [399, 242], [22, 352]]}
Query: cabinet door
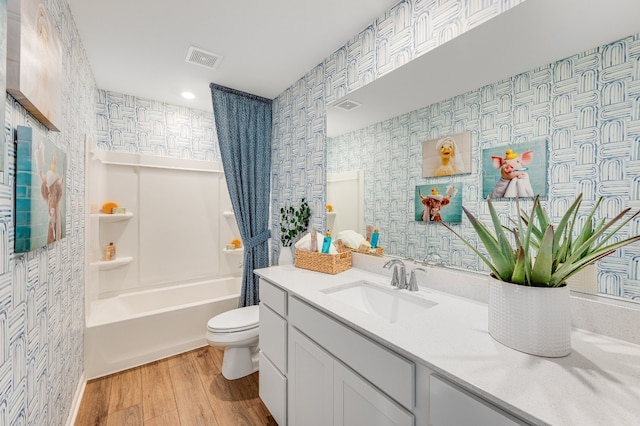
{"points": [[273, 337], [356, 403], [273, 390], [451, 406], [310, 381]]}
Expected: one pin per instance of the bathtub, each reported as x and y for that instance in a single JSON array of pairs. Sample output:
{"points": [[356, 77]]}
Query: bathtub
{"points": [[136, 328]]}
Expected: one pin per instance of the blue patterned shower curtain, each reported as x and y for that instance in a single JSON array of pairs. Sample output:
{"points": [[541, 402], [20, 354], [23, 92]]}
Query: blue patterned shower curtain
{"points": [[243, 123]]}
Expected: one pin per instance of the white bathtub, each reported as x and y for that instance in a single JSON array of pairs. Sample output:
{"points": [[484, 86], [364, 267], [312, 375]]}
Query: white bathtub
{"points": [[136, 328]]}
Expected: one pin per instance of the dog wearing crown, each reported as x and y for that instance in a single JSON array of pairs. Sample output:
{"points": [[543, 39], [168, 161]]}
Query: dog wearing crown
{"points": [[514, 180]]}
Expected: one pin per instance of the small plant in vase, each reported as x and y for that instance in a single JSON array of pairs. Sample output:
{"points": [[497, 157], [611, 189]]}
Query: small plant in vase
{"points": [[293, 223], [541, 257]]}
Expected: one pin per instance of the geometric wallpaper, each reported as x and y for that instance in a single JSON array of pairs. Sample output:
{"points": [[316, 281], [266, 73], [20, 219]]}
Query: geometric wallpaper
{"points": [[137, 125], [42, 292], [407, 30], [587, 106]]}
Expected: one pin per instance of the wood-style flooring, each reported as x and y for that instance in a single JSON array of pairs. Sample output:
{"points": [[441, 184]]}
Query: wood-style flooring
{"points": [[184, 390]]}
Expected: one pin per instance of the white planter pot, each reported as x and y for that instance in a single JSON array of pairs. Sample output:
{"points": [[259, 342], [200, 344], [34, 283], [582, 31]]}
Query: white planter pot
{"points": [[534, 320], [286, 256]]}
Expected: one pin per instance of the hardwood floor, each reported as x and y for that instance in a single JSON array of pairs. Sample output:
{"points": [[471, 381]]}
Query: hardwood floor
{"points": [[183, 390]]}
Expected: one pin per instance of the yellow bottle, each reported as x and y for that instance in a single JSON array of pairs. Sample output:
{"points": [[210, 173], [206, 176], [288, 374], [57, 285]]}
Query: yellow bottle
{"points": [[110, 252]]}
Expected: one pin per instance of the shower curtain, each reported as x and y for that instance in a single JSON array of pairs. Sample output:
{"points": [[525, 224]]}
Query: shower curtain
{"points": [[243, 124]]}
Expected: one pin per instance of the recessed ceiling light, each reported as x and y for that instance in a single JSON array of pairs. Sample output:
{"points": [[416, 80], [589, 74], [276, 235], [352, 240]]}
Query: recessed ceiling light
{"points": [[188, 95]]}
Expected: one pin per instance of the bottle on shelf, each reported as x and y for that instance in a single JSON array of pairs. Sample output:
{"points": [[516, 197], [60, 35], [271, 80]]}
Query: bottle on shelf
{"points": [[110, 252]]}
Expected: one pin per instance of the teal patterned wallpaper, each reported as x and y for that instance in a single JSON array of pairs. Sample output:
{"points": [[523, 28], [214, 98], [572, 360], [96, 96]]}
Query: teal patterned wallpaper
{"points": [[587, 106], [407, 30], [42, 292]]}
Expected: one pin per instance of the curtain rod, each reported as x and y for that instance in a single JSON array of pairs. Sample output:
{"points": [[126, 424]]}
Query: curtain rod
{"points": [[239, 92]]}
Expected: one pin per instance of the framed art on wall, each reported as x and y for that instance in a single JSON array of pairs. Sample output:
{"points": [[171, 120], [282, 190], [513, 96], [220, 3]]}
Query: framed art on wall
{"points": [[449, 155], [34, 61], [518, 170], [40, 191], [438, 203], [3, 75]]}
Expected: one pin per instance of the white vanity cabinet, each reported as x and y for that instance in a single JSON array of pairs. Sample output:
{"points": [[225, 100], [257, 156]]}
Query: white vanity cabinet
{"points": [[273, 350], [310, 382], [316, 370], [327, 366], [452, 406]]}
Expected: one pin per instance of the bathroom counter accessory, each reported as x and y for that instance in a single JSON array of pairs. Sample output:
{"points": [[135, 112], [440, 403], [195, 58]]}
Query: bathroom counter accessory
{"points": [[322, 262]]}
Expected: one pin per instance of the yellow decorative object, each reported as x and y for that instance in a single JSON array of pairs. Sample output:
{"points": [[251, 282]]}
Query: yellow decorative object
{"points": [[510, 155], [109, 206], [434, 191], [329, 208], [236, 243]]}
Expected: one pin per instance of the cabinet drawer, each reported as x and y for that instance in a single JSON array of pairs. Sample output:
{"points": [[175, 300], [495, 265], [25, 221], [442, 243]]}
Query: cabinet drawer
{"points": [[452, 406], [273, 296], [273, 337], [388, 371], [273, 390]]}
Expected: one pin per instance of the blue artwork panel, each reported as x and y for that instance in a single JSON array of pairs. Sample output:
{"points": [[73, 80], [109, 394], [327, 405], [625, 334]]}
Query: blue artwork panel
{"points": [[40, 191], [518, 170], [438, 203]]}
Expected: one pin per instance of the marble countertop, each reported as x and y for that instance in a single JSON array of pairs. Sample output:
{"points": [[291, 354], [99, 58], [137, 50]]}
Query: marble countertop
{"points": [[597, 384]]}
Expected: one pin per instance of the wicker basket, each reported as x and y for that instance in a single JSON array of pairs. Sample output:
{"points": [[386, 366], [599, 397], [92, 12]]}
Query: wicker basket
{"points": [[326, 263], [378, 251]]}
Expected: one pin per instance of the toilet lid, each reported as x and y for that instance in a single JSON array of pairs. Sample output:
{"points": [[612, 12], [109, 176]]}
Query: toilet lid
{"points": [[235, 320]]}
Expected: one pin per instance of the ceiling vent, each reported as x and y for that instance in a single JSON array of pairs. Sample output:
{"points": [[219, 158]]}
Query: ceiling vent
{"points": [[347, 105], [203, 58]]}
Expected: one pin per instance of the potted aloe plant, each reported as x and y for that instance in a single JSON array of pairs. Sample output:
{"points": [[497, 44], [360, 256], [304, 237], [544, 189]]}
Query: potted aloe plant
{"points": [[528, 298]]}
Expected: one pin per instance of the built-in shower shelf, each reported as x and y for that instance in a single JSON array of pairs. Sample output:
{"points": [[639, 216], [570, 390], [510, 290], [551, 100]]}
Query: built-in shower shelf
{"points": [[228, 214], [234, 251], [118, 262], [104, 217]]}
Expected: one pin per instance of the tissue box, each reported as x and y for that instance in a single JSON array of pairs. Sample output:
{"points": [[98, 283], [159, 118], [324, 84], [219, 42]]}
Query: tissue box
{"points": [[326, 263]]}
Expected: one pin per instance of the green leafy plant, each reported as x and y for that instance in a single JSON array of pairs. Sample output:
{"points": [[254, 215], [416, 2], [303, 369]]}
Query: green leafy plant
{"points": [[293, 222], [544, 255]]}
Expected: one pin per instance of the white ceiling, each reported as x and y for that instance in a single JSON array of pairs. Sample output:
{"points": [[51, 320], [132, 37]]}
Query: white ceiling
{"points": [[139, 47]]}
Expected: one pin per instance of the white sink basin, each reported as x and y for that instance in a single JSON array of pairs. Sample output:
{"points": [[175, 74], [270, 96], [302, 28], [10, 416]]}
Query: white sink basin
{"points": [[390, 304]]}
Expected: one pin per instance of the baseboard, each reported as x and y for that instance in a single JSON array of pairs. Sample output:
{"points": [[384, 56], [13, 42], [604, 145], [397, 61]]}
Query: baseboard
{"points": [[77, 399]]}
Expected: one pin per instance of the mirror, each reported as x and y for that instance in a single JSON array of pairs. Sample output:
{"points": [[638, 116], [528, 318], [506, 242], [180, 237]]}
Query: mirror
{"points": [[495, 82]]}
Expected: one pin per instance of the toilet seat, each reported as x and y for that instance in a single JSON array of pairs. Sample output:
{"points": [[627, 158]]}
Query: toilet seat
{"points": [[235, 320]]}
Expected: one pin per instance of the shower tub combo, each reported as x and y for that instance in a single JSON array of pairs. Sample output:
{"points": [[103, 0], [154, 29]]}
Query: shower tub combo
{"points": [[139, 327], [171, 274]]}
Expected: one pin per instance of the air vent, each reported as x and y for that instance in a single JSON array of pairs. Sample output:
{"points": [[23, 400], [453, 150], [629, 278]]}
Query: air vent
{"points": [[347, 105], [203, 58]]}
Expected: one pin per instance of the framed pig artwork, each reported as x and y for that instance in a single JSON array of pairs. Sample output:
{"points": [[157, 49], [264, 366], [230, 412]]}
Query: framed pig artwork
{"points": [[518, 170]]}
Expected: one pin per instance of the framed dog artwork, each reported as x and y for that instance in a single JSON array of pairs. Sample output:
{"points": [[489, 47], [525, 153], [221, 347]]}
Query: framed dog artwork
{"points": [[446, 156]]}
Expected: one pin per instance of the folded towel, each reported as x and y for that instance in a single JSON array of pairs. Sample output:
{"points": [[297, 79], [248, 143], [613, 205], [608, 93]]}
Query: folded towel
{"points": [[305, 243], [350, 238]]}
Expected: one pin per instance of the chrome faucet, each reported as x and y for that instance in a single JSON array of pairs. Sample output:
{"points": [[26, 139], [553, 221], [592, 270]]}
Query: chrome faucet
{"points": [[413, 282], [399, 278]]}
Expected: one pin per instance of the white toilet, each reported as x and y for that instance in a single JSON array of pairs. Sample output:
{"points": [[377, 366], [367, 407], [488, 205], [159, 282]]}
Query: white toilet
{"points": [[237, 332]]}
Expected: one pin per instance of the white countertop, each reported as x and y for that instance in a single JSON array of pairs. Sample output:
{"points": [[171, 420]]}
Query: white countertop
{"points": [[597, 384]]}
